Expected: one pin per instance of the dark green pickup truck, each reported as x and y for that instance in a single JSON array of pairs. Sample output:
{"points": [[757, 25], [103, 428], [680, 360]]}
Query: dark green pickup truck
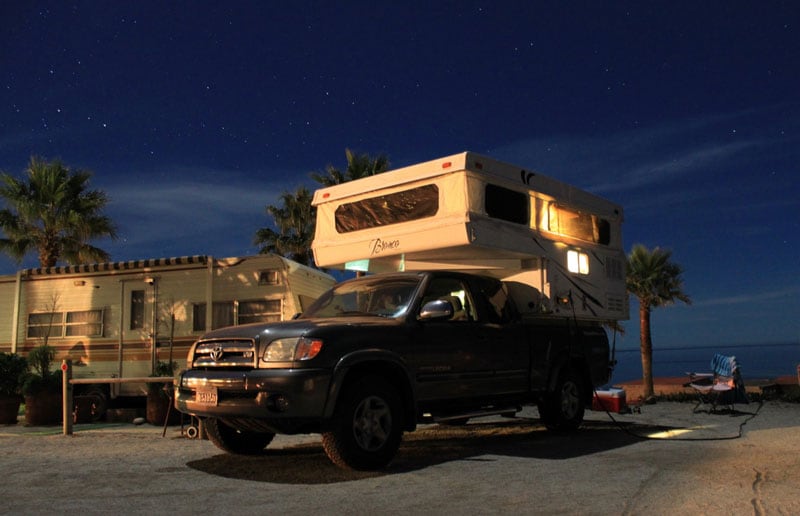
{"points": [[377, 355]]}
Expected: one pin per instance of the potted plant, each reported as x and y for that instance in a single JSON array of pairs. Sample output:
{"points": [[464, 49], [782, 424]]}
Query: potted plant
{"points": [[42, 388], [13, 369], [159, 397]]}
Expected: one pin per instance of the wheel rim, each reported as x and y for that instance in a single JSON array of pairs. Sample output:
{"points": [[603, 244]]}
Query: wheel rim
{"points": [[570, 400], [372, 423]]}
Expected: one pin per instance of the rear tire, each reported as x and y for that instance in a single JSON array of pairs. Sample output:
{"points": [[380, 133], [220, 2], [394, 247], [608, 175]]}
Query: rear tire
{"points": [[367, 426], [231, 440], [563, 409]]}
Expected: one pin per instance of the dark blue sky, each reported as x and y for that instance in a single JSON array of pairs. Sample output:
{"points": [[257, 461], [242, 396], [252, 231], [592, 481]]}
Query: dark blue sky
{"points": [[193, 116]]}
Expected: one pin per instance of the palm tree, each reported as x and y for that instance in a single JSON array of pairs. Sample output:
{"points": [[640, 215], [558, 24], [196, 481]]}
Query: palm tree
{"points": [[295, 223], [294, 217], [54, 214], [358, 166], [655, 281]]}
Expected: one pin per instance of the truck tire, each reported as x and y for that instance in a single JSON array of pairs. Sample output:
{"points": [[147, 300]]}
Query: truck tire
{"points": [[563, 409], [367, 426], [231, 440]]}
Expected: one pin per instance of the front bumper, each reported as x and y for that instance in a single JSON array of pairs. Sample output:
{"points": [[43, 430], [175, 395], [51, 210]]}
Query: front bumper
{"points": [[272, 394]]}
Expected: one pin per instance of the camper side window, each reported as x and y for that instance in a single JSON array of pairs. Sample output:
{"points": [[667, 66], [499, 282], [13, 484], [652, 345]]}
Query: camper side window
{"points": [[504, 204], [414, 204]]}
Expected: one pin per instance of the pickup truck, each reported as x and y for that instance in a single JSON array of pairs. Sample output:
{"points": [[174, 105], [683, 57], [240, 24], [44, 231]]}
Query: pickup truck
{"points": [[375, 356]]}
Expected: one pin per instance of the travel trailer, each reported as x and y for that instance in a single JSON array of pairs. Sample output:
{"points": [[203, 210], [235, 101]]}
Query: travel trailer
{"points": [[118, 320], [559, 248]]}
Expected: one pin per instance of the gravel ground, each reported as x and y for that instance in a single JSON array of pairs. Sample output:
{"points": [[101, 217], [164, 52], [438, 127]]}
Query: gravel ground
{"points": [[664, 460]]}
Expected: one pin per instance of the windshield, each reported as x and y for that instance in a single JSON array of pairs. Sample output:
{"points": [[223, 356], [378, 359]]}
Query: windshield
{"points": [[369, 296]]}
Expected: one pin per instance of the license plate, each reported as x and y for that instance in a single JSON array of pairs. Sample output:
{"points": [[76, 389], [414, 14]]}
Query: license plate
{"points": [[206, 396]]}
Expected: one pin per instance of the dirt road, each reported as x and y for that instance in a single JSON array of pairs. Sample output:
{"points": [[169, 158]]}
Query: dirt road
{"points": [[665, 460]]}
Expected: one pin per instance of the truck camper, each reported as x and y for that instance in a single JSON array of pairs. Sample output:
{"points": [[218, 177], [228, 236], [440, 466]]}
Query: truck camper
{"points": [[491, 286], [117, 320], [558, 247]]}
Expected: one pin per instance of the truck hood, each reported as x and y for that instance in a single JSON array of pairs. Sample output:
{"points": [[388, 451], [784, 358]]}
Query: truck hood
{"points": [[296, 327]]}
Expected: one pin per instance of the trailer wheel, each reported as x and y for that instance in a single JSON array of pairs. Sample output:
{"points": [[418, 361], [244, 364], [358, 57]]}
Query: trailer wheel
{"points": [[99, 395], [232, 440], [367, 426], [563, 409]]}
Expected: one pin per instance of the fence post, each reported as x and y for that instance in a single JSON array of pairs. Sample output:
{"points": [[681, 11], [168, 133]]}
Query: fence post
{"points": [[66, 389]]}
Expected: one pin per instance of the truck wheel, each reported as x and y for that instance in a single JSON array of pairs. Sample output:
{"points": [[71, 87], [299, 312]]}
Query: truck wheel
{"points": [[563, 409], [367, 426], [231, 440]]}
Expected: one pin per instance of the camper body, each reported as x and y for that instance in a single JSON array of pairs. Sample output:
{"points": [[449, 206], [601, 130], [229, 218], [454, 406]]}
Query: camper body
{"points": [[117, 320], [490, 288], [559, 247]]}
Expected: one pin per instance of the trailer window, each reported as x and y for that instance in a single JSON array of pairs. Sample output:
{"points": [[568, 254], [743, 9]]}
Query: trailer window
{"points": [[137, 309], [414, 204], [269, 277], [231, 313], [88, 323], [504, 204], [84, 323], [222, 314], [45, 325], [263, 310], [578, 224]]}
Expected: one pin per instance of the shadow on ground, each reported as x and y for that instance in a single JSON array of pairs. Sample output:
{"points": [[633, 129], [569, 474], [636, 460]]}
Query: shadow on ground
{"points": [[429, 446]]}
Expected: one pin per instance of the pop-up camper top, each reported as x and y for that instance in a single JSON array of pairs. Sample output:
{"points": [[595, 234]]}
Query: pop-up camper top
{"points": [[558, 247]]}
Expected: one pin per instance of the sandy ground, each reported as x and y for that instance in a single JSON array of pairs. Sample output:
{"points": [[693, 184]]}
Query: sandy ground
{"points": [[664, 460]]}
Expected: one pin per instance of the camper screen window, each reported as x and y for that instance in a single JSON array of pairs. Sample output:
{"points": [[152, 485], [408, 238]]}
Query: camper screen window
{"points": [[504, 204], [413, 204]]}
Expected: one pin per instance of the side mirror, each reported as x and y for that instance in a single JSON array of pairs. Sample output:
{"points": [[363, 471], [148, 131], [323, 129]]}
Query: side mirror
{"points": [[437, 309]]}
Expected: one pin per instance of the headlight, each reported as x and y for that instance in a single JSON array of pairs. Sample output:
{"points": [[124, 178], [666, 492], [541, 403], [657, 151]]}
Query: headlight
{"points": [[296, 348]]}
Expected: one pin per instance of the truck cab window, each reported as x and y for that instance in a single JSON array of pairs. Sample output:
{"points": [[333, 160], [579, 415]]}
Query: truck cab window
{"points": [[454, 291]]}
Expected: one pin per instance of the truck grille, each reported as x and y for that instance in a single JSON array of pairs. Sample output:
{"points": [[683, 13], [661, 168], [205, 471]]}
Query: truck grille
{"points": [[225, 353]]}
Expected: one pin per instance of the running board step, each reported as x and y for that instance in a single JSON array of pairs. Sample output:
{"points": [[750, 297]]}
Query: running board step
{"points": [[505, 412]]}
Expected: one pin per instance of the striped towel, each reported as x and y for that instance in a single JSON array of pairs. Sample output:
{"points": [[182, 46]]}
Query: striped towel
{"points": [[724, 365]]}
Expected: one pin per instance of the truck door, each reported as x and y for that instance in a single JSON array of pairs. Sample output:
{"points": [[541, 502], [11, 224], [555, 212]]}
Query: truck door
{"points": [[463, 356]]}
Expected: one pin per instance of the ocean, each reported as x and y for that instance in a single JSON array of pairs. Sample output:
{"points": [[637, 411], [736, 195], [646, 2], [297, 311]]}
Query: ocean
{"points": [[760, 361]]}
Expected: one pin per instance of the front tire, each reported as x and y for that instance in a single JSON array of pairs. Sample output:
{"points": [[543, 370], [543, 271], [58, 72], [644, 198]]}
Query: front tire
{"points": [[563, 409], [231, 440], [367, 426]]}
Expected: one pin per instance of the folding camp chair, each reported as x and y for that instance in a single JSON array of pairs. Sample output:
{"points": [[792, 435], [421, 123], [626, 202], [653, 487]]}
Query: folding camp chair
{"points": [[723, 386]]}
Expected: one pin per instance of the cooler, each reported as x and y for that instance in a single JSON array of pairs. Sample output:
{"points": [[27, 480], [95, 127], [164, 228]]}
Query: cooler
{"points": [[611, 399]]}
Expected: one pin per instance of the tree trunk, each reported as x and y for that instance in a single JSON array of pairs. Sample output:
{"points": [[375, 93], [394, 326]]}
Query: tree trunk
{"points": [[646, 346]]}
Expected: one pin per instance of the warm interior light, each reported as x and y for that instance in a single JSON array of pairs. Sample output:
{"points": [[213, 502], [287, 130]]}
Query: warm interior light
{"points": [[577, 262]]}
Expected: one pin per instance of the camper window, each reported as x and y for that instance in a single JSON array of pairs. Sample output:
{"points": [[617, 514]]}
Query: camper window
{"points": [[502, 203], [416, 203], [577, 224]]}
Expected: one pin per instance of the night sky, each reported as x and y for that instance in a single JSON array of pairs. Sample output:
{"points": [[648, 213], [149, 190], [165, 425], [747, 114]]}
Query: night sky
{"points": [[194, 116]]}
